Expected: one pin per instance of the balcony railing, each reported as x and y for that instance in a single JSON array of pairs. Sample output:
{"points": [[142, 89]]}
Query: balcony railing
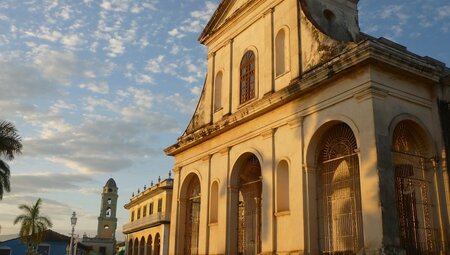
{"points": [[145, 222]]}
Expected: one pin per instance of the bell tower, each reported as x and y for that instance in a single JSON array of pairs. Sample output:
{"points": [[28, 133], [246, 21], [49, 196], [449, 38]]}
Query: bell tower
{"points": [[107, 221]]}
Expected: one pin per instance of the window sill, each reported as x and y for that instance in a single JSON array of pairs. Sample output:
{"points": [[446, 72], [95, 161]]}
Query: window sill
{"points": [[282, 213], [278, 76], [242, 105]]}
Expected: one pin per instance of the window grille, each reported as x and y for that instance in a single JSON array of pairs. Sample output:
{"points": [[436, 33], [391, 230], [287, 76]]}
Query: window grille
{"points": [[339, 198], [249, 207], [413, 180], [192, 218], [247, 74]]}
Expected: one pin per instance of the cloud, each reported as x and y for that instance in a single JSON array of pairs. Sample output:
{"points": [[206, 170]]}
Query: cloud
{"points": [[101, 87], [55, 65], [42, 182], [115, 47], [71, 40], [154, 65]]}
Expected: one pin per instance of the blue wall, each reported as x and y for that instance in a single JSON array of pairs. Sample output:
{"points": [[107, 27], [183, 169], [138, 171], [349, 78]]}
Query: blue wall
{"points": [[19, 248]]}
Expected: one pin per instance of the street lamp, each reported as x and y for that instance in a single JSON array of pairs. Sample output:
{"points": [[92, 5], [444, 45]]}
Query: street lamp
{"points": [[73, 222]]}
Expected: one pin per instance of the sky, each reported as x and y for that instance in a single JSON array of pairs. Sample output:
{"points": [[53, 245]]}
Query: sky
{"points": [[98, 88]]}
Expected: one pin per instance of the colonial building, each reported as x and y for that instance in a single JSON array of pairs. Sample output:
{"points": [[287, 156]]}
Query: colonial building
{"points": [[147, 232], [311, 137], [105, 240]]}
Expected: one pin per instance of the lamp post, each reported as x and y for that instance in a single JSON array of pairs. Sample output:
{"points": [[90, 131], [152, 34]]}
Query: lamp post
{"points": [[73, 222]]}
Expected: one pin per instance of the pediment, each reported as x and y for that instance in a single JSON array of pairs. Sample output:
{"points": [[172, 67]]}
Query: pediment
{"points": [[225, 10]]}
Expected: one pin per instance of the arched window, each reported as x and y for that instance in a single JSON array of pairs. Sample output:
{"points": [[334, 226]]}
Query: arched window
{"points": [[247, 74], [108, 212], [283, 186], [339, 193], [214, 210], [109, 201], [280, 53], [413, 173], [218, 92]]}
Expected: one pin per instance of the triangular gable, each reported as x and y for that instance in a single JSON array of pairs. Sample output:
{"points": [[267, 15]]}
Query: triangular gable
{"points": [[224, 11]]}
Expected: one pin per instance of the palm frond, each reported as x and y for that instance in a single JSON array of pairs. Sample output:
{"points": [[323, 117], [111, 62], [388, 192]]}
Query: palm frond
{"points": [[10, 140], [4, 178]]}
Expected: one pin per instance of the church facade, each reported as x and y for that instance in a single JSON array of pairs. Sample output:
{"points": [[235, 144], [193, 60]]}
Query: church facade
{"points": [[311, 137]]}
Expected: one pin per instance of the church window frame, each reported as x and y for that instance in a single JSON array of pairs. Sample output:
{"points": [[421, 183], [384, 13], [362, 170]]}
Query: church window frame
{"points": [[247, 75], [214, 203], [282, 60], [283, 186], [218, 83]]}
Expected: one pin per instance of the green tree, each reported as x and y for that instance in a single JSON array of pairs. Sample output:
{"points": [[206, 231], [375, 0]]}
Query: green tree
{"points": [[33, 225], [10, 144]]}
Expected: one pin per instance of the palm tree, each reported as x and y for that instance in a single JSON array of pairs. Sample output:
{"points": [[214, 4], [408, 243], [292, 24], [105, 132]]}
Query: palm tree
{"points": [[33, 225], [10, 144]]}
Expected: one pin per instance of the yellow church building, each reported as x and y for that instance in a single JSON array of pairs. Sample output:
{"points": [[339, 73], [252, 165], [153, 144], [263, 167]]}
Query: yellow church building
{"points": [[311, 137]]}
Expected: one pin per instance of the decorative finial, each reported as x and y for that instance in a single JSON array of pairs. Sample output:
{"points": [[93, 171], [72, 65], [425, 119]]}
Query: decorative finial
{"points": [[145, 187], [151, 183], [170, 174], [159, 178], [139, 191], [132, 194]]}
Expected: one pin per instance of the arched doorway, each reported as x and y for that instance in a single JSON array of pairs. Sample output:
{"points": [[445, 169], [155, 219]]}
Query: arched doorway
{"points": [[149, 245], [157, 244], [413, 171], [192, 217], [246, 205], [339, 192]]}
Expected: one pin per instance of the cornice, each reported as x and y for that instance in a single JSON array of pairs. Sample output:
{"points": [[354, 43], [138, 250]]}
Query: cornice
{"points": [[366, 52]]}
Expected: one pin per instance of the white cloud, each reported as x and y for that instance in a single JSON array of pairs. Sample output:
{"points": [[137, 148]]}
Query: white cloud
{"points": [[71, 40], [175, 33], [116, 47], [45, 33], [101, 87], [59, 66], [154, 65]]}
